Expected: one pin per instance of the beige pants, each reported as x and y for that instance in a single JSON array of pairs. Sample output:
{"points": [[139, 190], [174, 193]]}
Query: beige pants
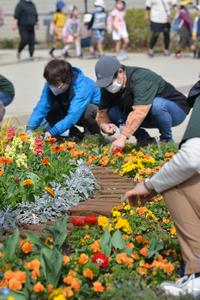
{"points": [[183, 203]]}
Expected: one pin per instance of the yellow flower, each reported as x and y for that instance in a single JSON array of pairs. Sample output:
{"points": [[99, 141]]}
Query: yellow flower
{"points": [[102, 221], [10, 298], [116, 214], [127, 207], [132, 212], [59, 297], [151, 215], [124, 225]]}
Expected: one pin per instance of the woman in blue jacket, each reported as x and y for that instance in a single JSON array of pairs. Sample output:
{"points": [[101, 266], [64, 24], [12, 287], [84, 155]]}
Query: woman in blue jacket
{"points": [[68, 98]]}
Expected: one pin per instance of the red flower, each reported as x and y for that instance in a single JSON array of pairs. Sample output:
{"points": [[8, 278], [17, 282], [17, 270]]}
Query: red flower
{"points": [[100, 259], [91, 220], [10, 133], [77, 221], [38, 146], [118, 151]]}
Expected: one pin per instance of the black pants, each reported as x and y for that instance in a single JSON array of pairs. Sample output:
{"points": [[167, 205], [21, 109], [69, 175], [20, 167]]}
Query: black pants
{"points": [[156, 29], [27, 36], [88, 120]]}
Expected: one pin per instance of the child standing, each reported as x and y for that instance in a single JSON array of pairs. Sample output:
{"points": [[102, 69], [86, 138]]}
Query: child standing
{"points": [[58, 23], [185, 28], [98, 25], [86, 34], [196, 34], [71, 32], [119, 29]]}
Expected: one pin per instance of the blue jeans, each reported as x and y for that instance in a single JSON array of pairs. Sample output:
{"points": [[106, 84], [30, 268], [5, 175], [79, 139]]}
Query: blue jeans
{"points": [[5, 98], [164, 114]]}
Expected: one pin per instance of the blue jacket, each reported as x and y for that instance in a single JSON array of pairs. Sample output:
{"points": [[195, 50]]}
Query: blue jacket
{"points": [[84, 92]]}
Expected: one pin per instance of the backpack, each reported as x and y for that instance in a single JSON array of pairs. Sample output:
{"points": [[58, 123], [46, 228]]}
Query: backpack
{"points": [[176, 24], [99, 20], [109, 23]]}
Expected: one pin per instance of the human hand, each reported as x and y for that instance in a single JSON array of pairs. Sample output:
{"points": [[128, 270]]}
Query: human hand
{"points": [[47, 135], [14, 25], [108, 128], [119, 142], [139, 191]]}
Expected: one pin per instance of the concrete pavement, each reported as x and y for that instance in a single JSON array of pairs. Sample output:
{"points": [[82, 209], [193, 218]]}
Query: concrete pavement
{"points": [[28, 80]]}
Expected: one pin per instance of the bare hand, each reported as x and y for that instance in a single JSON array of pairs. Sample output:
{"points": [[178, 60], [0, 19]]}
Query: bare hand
{"points": [[139, 191], [119, 142], [108, 128]]}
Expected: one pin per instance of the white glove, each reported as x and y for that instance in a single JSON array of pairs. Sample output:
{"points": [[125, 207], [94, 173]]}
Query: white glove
{"points": [[29, 132], [47, 135]]}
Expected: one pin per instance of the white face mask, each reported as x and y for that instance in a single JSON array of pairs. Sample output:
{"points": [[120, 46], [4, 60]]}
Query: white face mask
{"points": [[57, 91], [115, 87]]}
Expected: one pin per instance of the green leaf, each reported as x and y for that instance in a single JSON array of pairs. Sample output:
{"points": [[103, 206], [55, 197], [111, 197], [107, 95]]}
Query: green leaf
{"points": [[117, 240], [105, 242], [154, 248], [51, 262], [59, 231], [19, 295], [11, 243]]}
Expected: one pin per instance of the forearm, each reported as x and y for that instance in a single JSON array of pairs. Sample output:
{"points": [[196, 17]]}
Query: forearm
{"points": [[102, 116], [135, 118], [180, 168]]}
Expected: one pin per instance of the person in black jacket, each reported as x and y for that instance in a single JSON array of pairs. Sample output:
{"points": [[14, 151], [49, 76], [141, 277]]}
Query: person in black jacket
{"points": [[25, 19]]}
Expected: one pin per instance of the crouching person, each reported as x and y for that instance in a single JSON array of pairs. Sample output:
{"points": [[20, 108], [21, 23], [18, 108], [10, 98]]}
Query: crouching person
{"points": [[137, 98], [179, 181], [68, 98], [7, 93]]}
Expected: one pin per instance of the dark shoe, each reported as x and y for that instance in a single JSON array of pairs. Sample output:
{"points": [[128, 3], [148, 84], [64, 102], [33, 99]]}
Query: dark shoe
{"points": [[66, 55], [76, 133], [146, 142]]}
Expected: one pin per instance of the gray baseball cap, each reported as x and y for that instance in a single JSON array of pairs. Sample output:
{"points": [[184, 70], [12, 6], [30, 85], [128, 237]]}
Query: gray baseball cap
{"points": [[105, 69]]}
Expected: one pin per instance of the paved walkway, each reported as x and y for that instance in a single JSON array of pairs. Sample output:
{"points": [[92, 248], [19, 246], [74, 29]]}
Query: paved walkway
{"points": [[28, 80]]}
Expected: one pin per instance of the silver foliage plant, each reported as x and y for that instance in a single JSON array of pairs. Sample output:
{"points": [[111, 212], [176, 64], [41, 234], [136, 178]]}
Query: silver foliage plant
{"points": [[78, 186]]}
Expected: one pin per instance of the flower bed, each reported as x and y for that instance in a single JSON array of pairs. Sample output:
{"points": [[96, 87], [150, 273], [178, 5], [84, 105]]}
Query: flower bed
{"points": [[124, 256], [38, 179]]}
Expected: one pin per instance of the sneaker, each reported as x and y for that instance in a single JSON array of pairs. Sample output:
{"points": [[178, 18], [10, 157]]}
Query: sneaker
{"points": [[178, 55], [122, 56], [18, 56], [166, 53], [188, 284], [151, 53]]}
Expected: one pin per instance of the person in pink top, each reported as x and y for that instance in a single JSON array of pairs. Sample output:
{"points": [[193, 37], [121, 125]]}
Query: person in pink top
{"points": [[119, 29]]}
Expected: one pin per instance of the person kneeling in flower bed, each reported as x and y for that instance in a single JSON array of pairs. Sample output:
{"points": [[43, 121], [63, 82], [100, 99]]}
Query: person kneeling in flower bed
{"points": [[138, 98], [7, 93], [179, 180], [68, 98]]}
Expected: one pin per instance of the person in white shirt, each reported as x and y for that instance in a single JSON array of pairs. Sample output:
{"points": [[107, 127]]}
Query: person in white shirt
{"points": [[179, 181], [159, 13]]}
